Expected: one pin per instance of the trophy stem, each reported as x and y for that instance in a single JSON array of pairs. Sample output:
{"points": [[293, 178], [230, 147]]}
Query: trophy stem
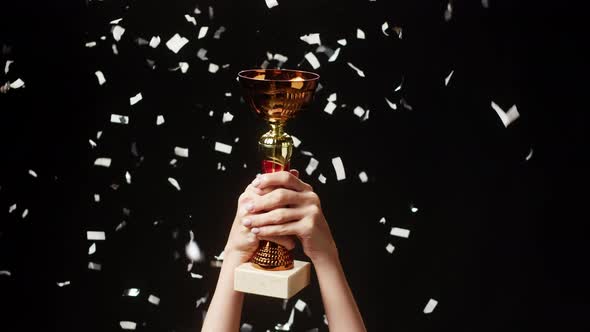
{"points": [[276, 147]]}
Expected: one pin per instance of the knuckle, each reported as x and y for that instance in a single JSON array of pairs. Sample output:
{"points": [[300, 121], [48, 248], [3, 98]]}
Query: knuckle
{"points": [[279, 216], [314, 198], [281, 230], [243, 197], [314, 209], [286, 176], [307, 227], [280, 196]]}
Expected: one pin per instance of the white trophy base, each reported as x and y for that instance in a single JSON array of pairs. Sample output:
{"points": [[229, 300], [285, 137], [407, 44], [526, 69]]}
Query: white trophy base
{"points": [[280, 284]]}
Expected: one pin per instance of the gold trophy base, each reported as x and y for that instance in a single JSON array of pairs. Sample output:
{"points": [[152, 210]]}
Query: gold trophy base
{"points": [[280, 284]]}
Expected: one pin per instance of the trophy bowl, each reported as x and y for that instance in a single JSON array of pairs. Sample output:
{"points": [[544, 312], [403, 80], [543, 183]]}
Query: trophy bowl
{"points": [[277, 94]]}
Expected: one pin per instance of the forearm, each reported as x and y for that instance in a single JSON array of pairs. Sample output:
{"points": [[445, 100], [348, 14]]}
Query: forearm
{"points": [[225, 308], [341, 309]]}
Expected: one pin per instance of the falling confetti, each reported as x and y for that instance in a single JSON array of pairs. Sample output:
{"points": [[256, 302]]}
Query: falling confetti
{"points": [[213, 68], [271, 3], [218, 32], [224, 148], [181, 152], [135, 99], [384, 28], [246, 327], [176, 43], [529, 155], [335, 55], [429, 308], [174, 183], [400, 232], [312, 38], [330, 107], [17, 84], [190, 19], [311, 167], [203, 32], [95, 235], [358, 71], [104, 162], [449, 11], [122, 119], [360, 34], [100, 77], [154, 300], [313, 60], [448, 78], [359, 111], [506, 117], [393, 106], [201, 300], [363, 177], [94, 266], [155, 41], [131, 292], [390, 248], [118, 31], [202, 54], [398, 31], [128, 325], [339, 168], [183, 67]]}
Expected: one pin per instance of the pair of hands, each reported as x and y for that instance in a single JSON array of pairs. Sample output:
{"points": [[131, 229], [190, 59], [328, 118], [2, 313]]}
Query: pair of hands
{"points": [[281, 208]]}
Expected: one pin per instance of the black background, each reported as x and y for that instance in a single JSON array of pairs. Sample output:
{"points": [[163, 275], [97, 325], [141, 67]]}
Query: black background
{"points": [[497, 240]]}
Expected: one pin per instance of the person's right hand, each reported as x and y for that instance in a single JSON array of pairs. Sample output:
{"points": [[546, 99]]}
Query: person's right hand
{"points": [[242, 243]]}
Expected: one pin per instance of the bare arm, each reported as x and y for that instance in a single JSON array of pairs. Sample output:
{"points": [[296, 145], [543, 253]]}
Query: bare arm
{"points": [[225, 308], [294, 209], [341, 309]]}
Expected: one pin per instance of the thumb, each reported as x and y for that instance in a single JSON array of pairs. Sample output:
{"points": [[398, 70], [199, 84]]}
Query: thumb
{"points": [[294, 172]]}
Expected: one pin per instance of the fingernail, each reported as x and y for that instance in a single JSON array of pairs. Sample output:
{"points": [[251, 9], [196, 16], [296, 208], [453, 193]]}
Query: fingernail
{"points": [[255, 230], [246, 222], [256, 182]]}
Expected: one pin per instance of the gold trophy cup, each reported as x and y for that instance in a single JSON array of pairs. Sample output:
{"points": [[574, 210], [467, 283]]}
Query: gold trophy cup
{"points": [[276, 95]]}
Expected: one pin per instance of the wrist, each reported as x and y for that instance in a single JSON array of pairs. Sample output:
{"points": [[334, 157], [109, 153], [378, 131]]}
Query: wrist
{"points": [[327, 258], [234, 257]]}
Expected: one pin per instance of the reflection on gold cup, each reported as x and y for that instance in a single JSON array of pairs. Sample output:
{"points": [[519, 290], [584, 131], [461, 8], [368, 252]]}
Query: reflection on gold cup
{"points": [[276, 95]]}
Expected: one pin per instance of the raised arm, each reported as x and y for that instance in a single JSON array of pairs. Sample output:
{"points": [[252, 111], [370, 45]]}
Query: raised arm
{"points": [[225, 308], [294, 209]]}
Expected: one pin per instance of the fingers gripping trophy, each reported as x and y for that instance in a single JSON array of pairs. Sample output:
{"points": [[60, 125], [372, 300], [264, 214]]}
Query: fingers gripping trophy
{"points": [[276, 95]]}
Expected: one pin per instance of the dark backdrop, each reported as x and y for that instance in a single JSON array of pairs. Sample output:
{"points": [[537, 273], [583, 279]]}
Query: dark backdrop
{"points": [[498, 239]]}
